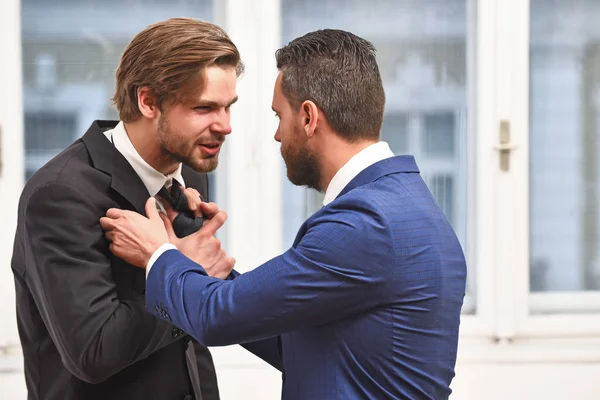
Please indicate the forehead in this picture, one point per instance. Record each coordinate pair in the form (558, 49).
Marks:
(217, 86)
(278, 96)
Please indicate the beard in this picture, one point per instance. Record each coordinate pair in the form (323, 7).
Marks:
(177, 146)
(302, 166)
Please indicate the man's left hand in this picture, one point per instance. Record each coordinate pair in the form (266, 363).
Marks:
(133, 237)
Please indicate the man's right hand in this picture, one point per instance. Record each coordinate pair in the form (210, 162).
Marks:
(202, 247)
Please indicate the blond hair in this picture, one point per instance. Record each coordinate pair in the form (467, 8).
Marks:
(169, 58)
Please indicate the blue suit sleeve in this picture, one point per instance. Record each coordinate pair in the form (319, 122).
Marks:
(340, 267)
(267, 350)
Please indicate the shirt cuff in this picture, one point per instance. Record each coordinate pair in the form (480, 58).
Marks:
(158, 253)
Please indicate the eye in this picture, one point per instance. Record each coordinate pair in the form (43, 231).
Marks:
(202, 108)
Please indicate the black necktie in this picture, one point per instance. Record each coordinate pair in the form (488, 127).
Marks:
(186, 222)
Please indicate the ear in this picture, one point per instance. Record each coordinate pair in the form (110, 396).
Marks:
(147, 103)
(310, 117)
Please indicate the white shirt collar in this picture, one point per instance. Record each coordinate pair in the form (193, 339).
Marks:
(152, 179)
(359, 162)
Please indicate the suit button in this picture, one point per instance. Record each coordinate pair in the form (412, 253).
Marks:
(176, 333)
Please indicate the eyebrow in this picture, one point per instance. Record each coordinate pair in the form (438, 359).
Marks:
(210, 103)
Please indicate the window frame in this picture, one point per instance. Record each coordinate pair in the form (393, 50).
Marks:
(12, 162)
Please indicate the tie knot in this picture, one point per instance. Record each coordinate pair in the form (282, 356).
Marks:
(174, 195)
(186, 222)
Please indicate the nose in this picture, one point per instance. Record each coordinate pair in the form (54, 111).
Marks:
(277, 136)
(222, 123)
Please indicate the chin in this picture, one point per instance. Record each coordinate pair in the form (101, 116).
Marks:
(295, 180)
(204, 165)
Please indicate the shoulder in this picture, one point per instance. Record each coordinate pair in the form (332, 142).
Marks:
(354, 216)
(67, 179)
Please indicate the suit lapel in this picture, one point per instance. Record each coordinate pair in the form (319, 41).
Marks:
(129, 185)
(108, 159)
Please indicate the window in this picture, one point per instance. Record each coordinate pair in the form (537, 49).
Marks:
(46, 134)
(71, 50)
(395, 131)
(439, 135)
(564, 137)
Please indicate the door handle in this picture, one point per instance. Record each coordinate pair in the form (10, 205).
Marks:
(504, 147)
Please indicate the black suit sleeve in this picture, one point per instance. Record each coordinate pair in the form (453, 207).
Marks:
(69, 275)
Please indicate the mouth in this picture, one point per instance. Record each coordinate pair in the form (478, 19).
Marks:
(210, 148)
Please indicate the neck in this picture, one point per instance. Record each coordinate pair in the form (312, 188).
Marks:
(333, 161)
(146, 143)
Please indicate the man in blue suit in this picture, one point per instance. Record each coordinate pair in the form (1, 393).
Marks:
(366, 303)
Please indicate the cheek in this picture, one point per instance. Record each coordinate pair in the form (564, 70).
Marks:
(201, 124)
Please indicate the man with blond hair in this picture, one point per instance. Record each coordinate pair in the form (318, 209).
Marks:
(84, 329)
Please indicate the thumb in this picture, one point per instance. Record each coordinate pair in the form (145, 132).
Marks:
(151, 211)
(169, 227)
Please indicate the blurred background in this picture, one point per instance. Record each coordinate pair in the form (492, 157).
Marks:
(498, 100)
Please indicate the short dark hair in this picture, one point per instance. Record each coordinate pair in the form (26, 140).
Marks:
(338, 71)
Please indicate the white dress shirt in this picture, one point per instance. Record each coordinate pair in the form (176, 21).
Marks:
(359, 162)
(151, 178)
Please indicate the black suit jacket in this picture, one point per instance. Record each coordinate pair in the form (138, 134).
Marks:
(81, 311)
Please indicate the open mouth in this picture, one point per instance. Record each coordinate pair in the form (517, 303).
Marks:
(210, 149)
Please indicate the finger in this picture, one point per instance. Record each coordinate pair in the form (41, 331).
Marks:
(224, 267)
(231, 262)
(115, 213)
(107, 223)
(209, 209)
(169, 227)
(171, 213)
(212, 225)
(193, 198)
(151, 211)
(109, 235)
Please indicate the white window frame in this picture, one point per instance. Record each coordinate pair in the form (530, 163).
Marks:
(12, 169)
(481, 29)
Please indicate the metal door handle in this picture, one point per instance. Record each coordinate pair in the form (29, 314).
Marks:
(505, 146)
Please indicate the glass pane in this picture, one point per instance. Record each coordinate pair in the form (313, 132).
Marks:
(442, 188)
(422, 54)
(564, 144)
(438, 134)
(395, 132)
(71, 49)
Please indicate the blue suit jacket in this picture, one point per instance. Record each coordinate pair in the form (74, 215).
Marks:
(365, 305)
